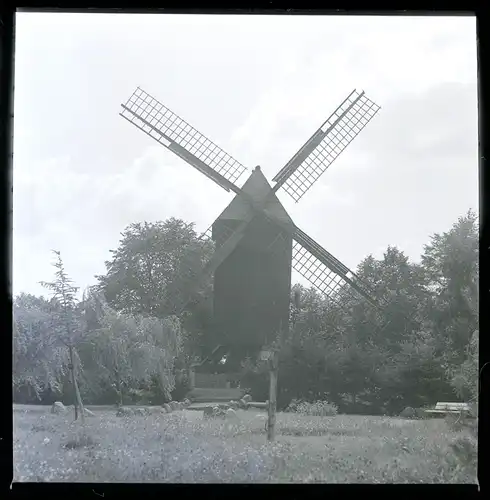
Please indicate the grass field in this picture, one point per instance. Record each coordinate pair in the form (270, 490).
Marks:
(183, 447)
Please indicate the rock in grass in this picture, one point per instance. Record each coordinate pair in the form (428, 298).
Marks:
(219, 412)
(408, 412)
(142, 412)
(123, 411)
(58, 408)
(231, 414)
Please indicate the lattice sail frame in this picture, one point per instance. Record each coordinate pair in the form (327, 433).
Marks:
(317, 273)
(328, 142)
(328, 274)
(167, 128)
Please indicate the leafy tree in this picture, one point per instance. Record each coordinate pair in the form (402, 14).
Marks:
(451, 265)
(149, 270)
(465, 378)
(39, 362)
(127, 350)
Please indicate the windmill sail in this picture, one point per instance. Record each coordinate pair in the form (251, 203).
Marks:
(326, 273)
(167, 128)
(325, 145)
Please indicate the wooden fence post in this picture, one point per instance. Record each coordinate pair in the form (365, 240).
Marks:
(271, 422)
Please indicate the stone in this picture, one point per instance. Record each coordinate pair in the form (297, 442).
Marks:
(142, 411)
(123, 411)
(230, 414)
(408, 412)
(58, 408)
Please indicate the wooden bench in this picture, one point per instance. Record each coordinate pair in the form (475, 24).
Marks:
(450, 409)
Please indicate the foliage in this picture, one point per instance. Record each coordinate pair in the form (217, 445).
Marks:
(65, 324)
(465, 378)
(128, 351)
(150, 269)
(39, 360)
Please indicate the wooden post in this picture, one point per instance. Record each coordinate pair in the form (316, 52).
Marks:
(271, 423)
(192, 379)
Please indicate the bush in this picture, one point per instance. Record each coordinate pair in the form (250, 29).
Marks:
(316, 408)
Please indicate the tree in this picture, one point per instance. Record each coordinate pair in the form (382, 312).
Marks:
(125, 349)
(149, 269)
(39, 362)
(66, 326)
(465, 378)
(450, 262)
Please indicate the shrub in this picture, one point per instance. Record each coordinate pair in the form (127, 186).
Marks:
(316, 408)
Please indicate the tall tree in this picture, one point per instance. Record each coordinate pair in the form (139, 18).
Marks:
(39, 362)
(66, 326)
(451, 265)
(151, 266)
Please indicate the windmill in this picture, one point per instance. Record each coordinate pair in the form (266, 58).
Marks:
(256, 242)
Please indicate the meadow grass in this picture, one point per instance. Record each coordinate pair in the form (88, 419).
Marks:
(183, 447)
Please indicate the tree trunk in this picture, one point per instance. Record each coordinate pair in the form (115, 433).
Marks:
(77, 391)
(73, 381)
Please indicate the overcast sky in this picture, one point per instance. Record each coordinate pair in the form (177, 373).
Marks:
(258, 86)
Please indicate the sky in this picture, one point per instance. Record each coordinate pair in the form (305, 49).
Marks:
(258, 86)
